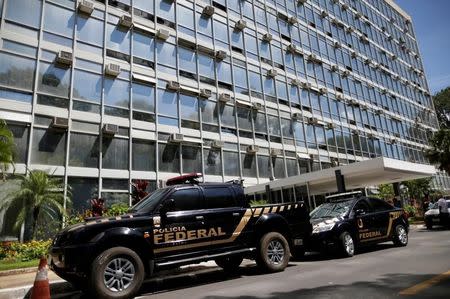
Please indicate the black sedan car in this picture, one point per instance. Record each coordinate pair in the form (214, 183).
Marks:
(345, 223)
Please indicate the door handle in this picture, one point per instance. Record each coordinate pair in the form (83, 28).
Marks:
(236, 214)
(199, 217)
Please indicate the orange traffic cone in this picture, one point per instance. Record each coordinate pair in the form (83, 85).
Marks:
(41, 287)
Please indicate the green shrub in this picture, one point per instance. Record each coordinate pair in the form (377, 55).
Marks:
(117, 209)
(411, 210)
(259, 202)
(24, 251)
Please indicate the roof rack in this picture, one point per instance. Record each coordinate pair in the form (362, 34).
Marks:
(190, 178)
(344, 195)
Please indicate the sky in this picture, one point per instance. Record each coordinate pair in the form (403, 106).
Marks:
(431, 22)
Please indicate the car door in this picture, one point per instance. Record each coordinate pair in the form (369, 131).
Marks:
(182, 228)
(382, 221)
(223, 216)
(363, 219)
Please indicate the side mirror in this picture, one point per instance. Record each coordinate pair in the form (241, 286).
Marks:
(360, 212)
(167, 206)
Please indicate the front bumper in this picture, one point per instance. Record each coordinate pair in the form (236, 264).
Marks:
(323, 242)
(71, 261)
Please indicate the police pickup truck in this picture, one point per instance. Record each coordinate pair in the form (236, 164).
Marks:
(187, 222)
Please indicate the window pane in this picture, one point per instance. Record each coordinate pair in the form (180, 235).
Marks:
(83, 190)
(90, 30)
(59, 20)
(24, 12)
(117, 93)
(48, 147)
(192, 161)
(87, 86)
(264, 167)
(54, 80)
(209, 111)
(115, 153)
(169, 157)
(20, 134)
(16, 71)
(248, 165)
(143, 155)
(143, 46)
(212, 161)
(84, 150)
(143, 97)
(187, 199)
(189, 107)
(167, 103)
(219, 197)
(231, 163)
(117, 39)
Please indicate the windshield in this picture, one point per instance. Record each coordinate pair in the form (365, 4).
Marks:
(150, 202)
(331, 210)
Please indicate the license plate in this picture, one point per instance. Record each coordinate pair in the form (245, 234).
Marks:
(298, 242)
(436, 220)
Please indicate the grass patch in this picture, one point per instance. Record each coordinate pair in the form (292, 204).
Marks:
(8, 265)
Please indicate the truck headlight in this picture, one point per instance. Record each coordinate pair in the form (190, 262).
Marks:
(323, 228)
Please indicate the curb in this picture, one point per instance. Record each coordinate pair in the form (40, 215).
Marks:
(18, 271)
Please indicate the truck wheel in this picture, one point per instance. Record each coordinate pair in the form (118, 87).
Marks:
(230, 263)
(347, 244)
(273, 252)
(400, 236)
(116, 273)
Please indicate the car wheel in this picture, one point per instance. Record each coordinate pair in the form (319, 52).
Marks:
(273, 252)
(400, 236)
(116, 273)
(347, 244)
(230, 263)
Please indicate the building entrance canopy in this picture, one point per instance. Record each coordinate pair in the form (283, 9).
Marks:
(356, 175)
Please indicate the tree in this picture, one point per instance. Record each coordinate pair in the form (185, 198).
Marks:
(441, 102)
(40, 195)
(7, 148)
(439, 153)
(385, 191)
(418, 188)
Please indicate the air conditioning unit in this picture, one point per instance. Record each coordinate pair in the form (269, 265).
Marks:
(394, 57)
(356, 132)
(217, 144)
(390, 37)
(313, 58)
(125, 21)
(267, 37)
(86, 7)
(176, 138)
(240, 25)
(301, 2)
(224, 97)
(292, 48)
(324, 14)
(393, 141)
(353, 102)
(296, 82)
(396, 77)
(345, 73)
(60, 123)
(358, 15)
(370, 135)
(252, 149)
(257, 106)
(64, 58)
(173, 85)
(297, 116)
(292, 20)
(345, 6)
(337, 45)
(384, 91)
(334, 68)
(272, 73)
(379, 111)
(205, 93)
(364, 39)
(313, 120)
(323, 90)
(110, 129)
(353, 54)
(339, 97)
(367, 61)
(306, 85)
(331, 126)
(162, 33)
(208, 10)
(221, 55)
(275, 152)
(112, 69)
(350, 29)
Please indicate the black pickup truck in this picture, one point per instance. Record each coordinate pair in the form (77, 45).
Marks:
(181, 224)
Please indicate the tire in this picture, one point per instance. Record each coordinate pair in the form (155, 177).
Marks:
(273, 252)
(230, 263)
(429, 225)
(298, 253)
(108, 283)
(346, 244)
(400, 236)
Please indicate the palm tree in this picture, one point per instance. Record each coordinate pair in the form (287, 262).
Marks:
(7, 148)
(40, 195)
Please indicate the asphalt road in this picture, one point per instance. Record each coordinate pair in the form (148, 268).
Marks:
(420, 270)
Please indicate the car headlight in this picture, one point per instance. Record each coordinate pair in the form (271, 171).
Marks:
(323, 228)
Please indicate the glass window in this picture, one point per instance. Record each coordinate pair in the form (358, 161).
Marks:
(83, 190)
(16, 71)
(143, 46)
(264, 169)
(224, 72)
(115, 153)
(84, 150)
(58, 20)
(143, 97)
(167, 54)
(189, 107)
(48, 147)
(143, 155)
(206, 66)
(117, 93)
(87, 86)
(260, 123)
(244, 118)
(54, 80)
(167, 103)
(274, 125)
(188, 60)
(227, 115)
(231, 163)
(212, 161)
(144, 5)
(278, 167)
(291, 166)
(187, 199)
(248, 165)
(219, 197)
(209, 111)
(166, 10)
(24, 12)
(192, 161)
(169, 157)
(117, 39)
(185, 16)
(21, 141)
